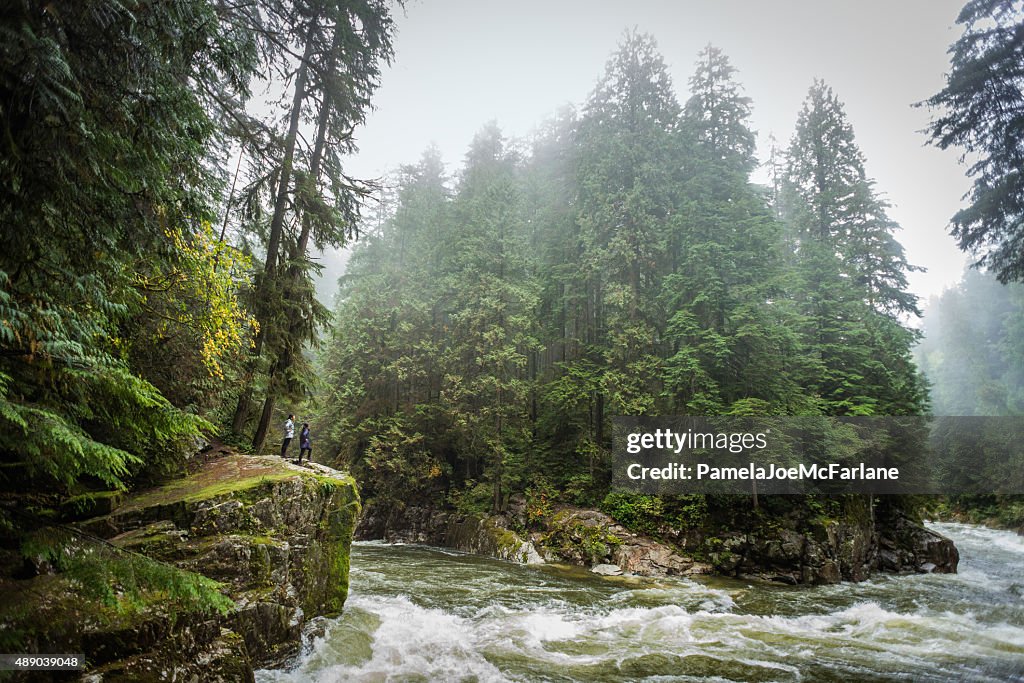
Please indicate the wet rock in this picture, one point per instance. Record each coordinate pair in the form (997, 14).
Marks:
(606, 569)
(405, 524)
(590, 537)
(646, 557)
(915, 548)
(848, 546)
(90, 505)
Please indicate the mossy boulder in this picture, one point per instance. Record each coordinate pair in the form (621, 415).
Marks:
(90, 505)
(592, 538)
(275, 535)
(487, 535)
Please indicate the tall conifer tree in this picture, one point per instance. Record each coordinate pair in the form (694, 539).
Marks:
(852, 269)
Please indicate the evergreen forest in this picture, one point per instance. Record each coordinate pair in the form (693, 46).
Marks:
(622, 262)
(173, 171)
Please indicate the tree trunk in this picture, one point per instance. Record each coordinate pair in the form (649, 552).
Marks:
(241, 415)
(284, 360)
(261, 431)
(265, 282)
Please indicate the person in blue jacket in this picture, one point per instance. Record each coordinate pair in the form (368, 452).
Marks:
(305, 445)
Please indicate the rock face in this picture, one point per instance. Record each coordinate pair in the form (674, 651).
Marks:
(827, 551)
(831, 550)
(592, 538)
(276, 535)
(410, 524)
(820, 551)
(490, 536)
(574, 536)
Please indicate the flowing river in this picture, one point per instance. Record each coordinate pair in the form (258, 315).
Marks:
(423, 614)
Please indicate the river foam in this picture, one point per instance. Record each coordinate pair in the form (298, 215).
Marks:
(417, 614)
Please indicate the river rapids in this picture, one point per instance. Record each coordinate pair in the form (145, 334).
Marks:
(425, 614)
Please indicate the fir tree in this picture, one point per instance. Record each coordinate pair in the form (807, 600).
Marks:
(626, 167)
(106, 175)
(982, 111)
(852, 270)
(339, 47)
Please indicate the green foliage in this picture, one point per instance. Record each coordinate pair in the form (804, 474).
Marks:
(397, 464)
(190, 329)
(576, 540)
(1005, 512)
(106, 130)
(654, 515)
(300, 184)
(583, 490)
(472, 499)
(539, 501)
(94, 423)
(635, 512)
(850, 272)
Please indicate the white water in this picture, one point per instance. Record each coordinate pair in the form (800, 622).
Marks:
(420, 614)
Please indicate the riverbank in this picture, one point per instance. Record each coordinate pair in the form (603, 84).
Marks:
(995, 512)
(854, 542)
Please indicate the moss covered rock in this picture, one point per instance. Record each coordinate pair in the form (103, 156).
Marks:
(486, 535)
(275, 535)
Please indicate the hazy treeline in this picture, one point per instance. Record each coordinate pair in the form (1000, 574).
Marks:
(623, 262)
(973, 348)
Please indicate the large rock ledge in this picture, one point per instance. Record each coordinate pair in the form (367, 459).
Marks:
(828, 550)
(276, 535)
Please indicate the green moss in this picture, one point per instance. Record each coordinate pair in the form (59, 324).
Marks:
(507, 542)
(336, 548)
(260, 565)
(125, 593)
(263, 540)
(241, 477)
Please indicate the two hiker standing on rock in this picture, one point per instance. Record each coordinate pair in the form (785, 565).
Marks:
(305, 443)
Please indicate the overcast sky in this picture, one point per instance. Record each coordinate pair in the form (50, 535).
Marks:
(461, 63)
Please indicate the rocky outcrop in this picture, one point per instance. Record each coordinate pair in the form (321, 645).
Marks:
(406, 524)
(821, 550)
(274, 534)
(490, 536)
(829, 550)
(592, 538)
(478, 534)
(904, 544)
(573, 536)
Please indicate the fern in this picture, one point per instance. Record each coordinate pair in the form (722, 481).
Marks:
(125, 582)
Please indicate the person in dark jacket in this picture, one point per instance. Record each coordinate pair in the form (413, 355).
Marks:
(305, 445)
